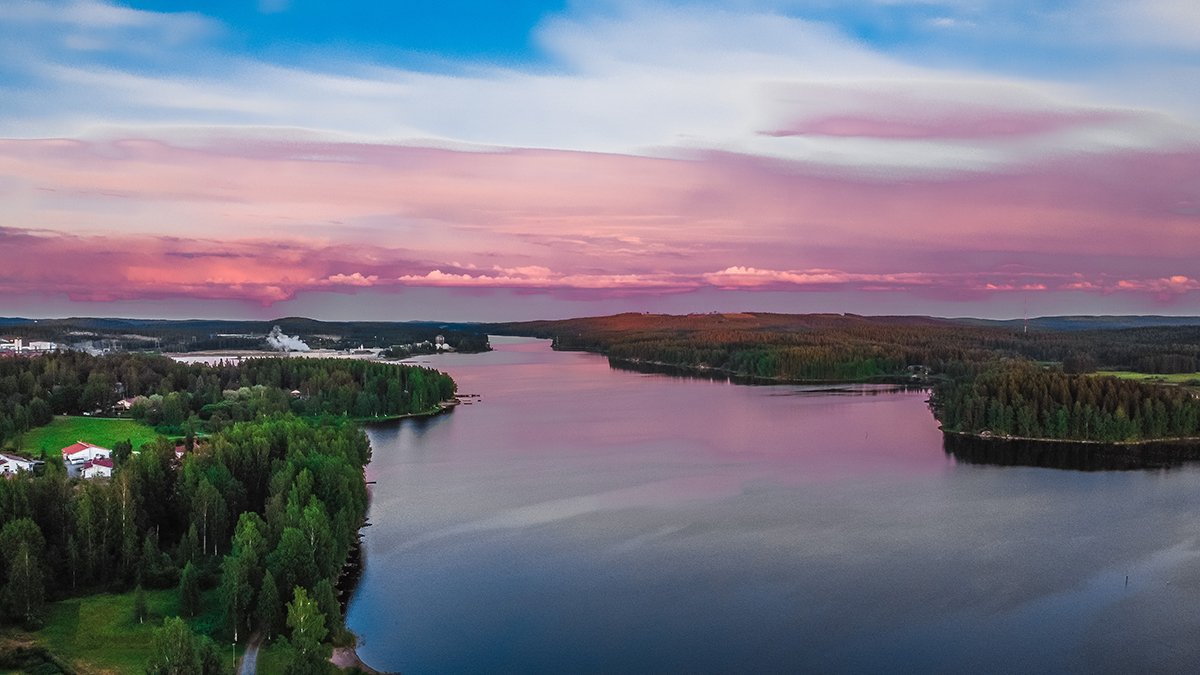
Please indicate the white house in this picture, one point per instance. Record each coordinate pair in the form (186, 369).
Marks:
(98, 468)
(84, 452)
(11, 464)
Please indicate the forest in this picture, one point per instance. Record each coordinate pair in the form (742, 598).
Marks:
(261, 512)
(846, 348)
(180, 399)
(1019, 398)
(265, 511)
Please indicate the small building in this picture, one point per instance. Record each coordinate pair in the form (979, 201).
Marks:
(11, 464)
(98, 468)
(81, 452)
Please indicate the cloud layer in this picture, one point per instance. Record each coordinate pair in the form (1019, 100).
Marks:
(263, 221)
(663, 150)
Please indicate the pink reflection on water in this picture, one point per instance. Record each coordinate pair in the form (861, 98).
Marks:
(555, 411)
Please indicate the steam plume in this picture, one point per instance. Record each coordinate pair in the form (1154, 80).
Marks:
(285, 343)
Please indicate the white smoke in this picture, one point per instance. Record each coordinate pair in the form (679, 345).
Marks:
(285, 343)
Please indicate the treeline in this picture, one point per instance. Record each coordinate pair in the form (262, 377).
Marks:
(173, 395)
(197, 335)
(849, 347)
(266, 512)
(1020, 398)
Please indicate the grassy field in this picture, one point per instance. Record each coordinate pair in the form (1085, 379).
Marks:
(98, 635)
(1174, 378)
(64, 431)
(272, 659)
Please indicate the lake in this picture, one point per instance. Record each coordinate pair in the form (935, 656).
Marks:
(581, 519)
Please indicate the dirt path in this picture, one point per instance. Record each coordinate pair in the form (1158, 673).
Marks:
(250, 658)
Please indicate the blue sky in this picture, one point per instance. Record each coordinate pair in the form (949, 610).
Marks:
(1020, 37)
(400, 33)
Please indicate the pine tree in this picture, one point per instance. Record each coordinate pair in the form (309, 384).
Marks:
(267, 611)
(189, 591)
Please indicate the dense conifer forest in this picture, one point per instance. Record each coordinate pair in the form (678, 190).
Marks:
(262, 509)
(179, 398)
(836, 347)
(1024, 399)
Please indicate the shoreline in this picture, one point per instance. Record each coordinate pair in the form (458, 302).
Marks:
(347, 657)
(442, 407)
(1067, 454)
(988, 436)
(709, 372)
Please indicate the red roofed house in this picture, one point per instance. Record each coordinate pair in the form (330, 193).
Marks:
(98, 468)
(84, 452)
(11, 464)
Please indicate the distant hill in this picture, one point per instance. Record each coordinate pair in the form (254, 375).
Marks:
(849, 347)
(793, 322)
(632, 322)
(1085, 322)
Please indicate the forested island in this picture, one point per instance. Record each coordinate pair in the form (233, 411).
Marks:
(241, 529)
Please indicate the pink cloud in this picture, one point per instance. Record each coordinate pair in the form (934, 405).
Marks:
(543, 278)
(932, 110)
(264, 221)
(749, 277)
(1164, 289)
(952, 124)
(984, 281)
(356, 279)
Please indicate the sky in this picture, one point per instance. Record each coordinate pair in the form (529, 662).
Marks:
(460, 160)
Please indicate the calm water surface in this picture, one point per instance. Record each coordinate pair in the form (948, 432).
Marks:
(578, 519)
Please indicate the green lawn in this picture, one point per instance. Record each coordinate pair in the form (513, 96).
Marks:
(98, 634)
(1174, 378)
(64, 431)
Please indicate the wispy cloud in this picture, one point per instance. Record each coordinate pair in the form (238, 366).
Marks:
(653, 81)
